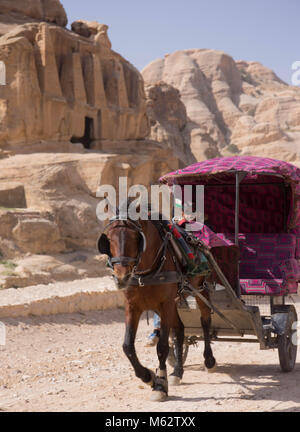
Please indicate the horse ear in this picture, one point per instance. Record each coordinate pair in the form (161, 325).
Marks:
(142, 243)
(103, 245)
(113, 211)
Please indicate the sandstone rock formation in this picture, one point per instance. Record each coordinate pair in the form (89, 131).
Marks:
(60, 198)
(77, 88)
(233, 107)
(72, 117)
(168, 120)
(21, 11)
(93, 30)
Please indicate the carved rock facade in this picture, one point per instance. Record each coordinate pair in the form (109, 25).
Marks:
(72, 117)
(62, 86)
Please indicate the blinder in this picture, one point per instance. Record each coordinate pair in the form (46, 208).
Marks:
(103, 245)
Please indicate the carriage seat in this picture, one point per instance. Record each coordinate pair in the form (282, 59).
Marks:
(268, 263)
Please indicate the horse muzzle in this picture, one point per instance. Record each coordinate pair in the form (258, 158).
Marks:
(123, 282)
(123, 268)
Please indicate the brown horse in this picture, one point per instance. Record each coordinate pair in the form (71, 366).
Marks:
(145, 267)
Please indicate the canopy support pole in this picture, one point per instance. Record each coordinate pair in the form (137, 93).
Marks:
(239, 175)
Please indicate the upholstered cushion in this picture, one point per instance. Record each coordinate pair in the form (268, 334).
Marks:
(261, 286)
(290, 269)
(262, 254)
(267, 263)
(298, 246)
(268, 286)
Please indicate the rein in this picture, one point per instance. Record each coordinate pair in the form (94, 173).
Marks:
(161, 253)
(154, 274)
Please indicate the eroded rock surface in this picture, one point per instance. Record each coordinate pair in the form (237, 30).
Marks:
(60, 216)
(77, 88)
(233, 107)
(72, 117)
(168, 120)
(14, 12)
(74, 114)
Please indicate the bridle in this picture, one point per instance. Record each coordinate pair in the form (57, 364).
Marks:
(104, 246)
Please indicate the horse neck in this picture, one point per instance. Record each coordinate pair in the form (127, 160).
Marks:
(154, 242)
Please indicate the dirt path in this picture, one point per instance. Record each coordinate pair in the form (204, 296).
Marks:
(74, 362)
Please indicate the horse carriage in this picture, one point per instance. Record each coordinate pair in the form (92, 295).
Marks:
(253, 205)
(245, 266)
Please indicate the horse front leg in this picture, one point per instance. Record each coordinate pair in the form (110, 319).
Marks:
(132, 320)
(160, 388)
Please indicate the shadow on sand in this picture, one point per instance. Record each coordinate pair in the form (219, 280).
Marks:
(257, 382)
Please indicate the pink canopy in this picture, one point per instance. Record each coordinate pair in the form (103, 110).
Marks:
(265, 176)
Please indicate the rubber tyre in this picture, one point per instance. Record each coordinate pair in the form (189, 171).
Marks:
(172, 354)
(287, 350)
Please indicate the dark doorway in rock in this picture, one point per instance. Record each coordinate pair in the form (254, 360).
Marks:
(88, 136)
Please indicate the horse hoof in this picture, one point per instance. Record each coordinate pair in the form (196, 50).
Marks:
(174, 380)
(153, 377)
(158, 396)
(212, 369)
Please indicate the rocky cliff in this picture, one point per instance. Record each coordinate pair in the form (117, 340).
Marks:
(74, 114)
(77, 88)
(168, 120)
(72, 117)
(17, 12)
(233, 107)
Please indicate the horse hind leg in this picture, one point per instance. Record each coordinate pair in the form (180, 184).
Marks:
(209, 360)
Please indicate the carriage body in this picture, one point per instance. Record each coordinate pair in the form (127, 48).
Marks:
(253, 206)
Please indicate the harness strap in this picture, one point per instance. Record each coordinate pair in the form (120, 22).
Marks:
(160, 253)
(161, 278)
(172, 228)
(123, 260)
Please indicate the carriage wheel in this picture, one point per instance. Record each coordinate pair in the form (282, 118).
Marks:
(172, 352)
(287, 343)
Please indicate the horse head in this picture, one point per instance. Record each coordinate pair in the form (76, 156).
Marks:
(123, 241)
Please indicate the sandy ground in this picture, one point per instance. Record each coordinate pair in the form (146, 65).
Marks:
(74, 362)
